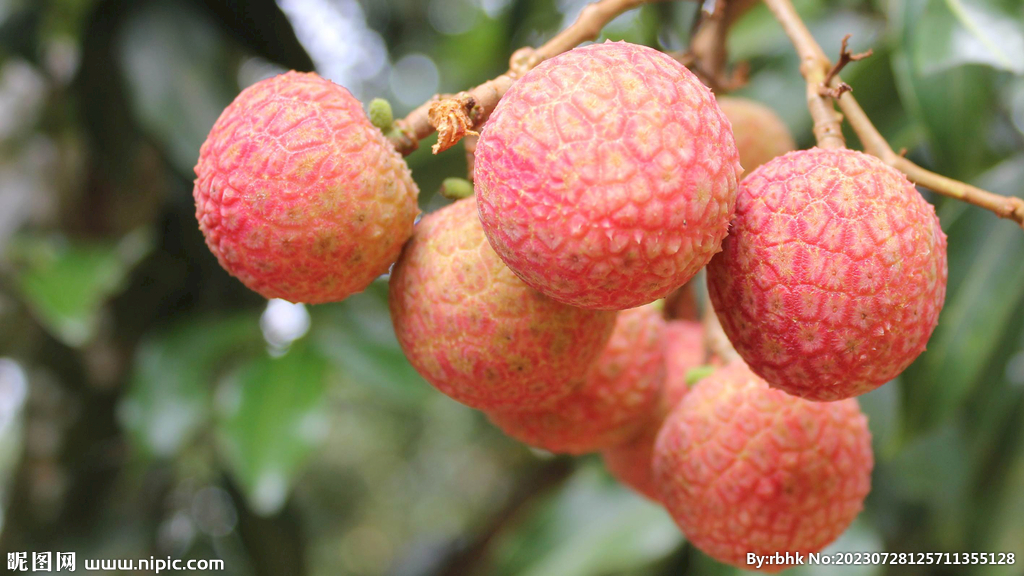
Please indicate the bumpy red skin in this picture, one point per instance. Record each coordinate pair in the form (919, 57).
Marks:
(618, 397)
(607, 176)
(631, 463)
(833, 276)
(298, 195)
(743, 468)
(474, 330)
(760, 134)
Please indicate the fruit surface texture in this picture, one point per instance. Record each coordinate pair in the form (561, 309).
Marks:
(298, 195)
(607, 176)
(632, 462)
(833, 276)
(760, 134)
(618, 396)
(474, 330)
(743, 467)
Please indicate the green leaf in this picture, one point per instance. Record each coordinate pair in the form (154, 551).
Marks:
(357, 336)
(973, 322)
(66, 282)
(1007, 529)
(859, 537)
(955, 32)
(171, 390)
(882, 407)
(700, 564)
(956, 106)
(272, 418)
(589, 527)
(933, 474)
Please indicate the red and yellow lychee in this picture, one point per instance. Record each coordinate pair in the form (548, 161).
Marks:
(760, 134)
(833, 275)
(632, 462)
(742, 468)
(615, 399)
(475, 331)
(298, 195)
(607, 176)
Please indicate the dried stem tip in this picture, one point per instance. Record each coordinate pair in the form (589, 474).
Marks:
(845, 57)
(451, 117)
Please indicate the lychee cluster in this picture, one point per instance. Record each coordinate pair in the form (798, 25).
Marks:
(606, 178)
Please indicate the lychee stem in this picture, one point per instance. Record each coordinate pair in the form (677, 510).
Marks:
(479, 102)
(707, 55)
(815, 69)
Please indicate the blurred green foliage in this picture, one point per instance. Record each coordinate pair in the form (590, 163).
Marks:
(169, 411)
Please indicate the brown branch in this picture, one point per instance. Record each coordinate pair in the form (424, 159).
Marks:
(834, 92)
(845, 57)
(1009, 207)
(468, 110)
(814, 66)
(708, 46)
(827, 127)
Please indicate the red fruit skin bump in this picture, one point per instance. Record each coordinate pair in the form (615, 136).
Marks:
(742, 467)
(607, 176)
(474, 330)
(833, 276)
(760, 134)
(298, 195)
(632, 462)
(616, 399)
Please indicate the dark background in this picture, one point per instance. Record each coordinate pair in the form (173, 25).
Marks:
(151, 405)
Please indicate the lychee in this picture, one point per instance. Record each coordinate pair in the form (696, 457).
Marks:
(832, 278)
(607, 176)
(632, 462)
(617, 397)
(760, 134)
(298, 195)
(474, 330)
(742, 468)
